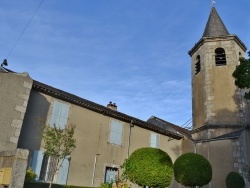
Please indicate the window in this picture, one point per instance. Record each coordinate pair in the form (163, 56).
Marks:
(198, 64)
(110, 174)
(59, 115)
(43, 166)
(220, 57)
(116, 132)
(47, 169)
(154, 140)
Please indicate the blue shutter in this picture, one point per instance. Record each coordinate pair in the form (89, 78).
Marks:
(59, 115)
(119, 133)
(116, 132)
(37, 162)
(157, 140)
(63, 172)
(55, 114)
(64, 112)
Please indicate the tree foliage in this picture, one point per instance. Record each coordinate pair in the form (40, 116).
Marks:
(192, 170)
(235, 180)
(58, 143)
(30, 175)
(242, 75)
(149, 167)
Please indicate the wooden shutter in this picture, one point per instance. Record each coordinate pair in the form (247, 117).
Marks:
(59, 115)
(37, 162)
(63, 172)
(116, 132)
(154, 140)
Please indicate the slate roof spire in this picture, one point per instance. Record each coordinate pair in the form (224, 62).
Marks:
(215, 26)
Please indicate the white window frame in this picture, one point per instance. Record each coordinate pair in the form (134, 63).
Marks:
(116, 132)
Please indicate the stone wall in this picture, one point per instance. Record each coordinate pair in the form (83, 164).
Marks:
(14, 94)
(17, 160)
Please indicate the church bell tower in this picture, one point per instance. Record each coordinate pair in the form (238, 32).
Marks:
(215, 98)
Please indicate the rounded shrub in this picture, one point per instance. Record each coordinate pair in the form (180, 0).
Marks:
(235, 180)
(192, 170)
(30, 175)
(149, 167)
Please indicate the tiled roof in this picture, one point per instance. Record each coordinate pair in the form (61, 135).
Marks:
(73, 99)
(215, 26)
(168, 126)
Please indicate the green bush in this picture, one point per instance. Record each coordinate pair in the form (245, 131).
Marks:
(106, 185)
(192, 170)
(149, 167)
(30, 175)
(235, 180)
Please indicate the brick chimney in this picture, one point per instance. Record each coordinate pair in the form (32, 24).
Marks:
(112, 106)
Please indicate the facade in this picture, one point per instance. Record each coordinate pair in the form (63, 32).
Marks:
(105, 137)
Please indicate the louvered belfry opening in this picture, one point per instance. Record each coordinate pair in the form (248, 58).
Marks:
(220, 57)
(198, 64)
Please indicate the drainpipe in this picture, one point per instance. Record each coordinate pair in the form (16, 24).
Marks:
(129, 136)
(93, 177)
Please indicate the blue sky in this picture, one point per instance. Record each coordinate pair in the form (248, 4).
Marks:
(131, 52)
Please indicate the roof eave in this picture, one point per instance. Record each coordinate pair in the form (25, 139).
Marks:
(208, 39)
(73, 99)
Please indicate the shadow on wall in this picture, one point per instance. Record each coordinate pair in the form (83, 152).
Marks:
(176, 150)
(30, 136)
(230, 115)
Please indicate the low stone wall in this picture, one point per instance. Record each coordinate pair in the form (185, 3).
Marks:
(17, 160)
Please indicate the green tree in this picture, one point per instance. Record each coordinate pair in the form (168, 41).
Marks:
(191, 169)
(242, 75)
(235, 180)
(149, 167)
(58, 144)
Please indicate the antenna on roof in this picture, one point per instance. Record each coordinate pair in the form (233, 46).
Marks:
(213, 2)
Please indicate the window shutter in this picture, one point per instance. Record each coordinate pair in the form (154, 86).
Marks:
(157, 141)
(116, 132)
(63, 172)
(37, 162)
(59, 115)
(154, 140)
(63, 116)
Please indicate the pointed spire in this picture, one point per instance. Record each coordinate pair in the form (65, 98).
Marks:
(215, 26)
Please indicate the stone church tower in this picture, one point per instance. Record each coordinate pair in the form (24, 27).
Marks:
(220, 130)
(214, 58)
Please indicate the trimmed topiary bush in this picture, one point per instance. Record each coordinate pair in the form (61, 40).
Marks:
(235, 180)
(192, 170)
(149, 167)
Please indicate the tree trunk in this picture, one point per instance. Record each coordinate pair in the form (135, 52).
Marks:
(55, 171)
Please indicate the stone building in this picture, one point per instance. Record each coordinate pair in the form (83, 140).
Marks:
(220, 112)
(105, 137)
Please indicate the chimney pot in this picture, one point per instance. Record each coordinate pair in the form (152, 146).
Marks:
(112, 106)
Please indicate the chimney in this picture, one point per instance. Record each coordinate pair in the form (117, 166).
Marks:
(112, 106)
